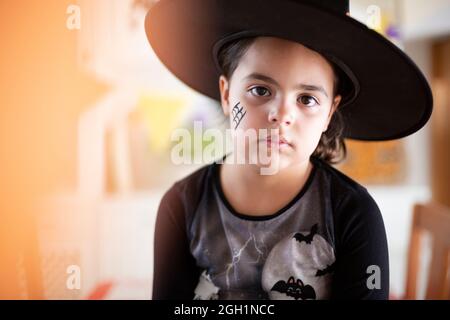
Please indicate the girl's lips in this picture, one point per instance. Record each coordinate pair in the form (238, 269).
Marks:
(280, 142)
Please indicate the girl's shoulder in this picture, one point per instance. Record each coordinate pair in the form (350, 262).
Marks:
(349, 198)
(194, 181)
(188, 190)
(336, 178)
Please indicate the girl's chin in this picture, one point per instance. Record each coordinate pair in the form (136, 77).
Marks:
(278, 162)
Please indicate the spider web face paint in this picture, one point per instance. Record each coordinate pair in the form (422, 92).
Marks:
(238, 114)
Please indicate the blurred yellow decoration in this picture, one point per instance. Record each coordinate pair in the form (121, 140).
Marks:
(387, 24)
(161, 115)
(384, 23)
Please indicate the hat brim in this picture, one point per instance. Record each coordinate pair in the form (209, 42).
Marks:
(394, 99)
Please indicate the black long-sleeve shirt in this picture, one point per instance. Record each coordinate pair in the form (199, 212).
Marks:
(329, 242)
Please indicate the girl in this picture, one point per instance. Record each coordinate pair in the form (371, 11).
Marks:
(316, 76)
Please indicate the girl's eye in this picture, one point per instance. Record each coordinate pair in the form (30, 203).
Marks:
(308, 101)
(260, 92)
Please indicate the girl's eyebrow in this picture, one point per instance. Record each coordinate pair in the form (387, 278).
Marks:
(308, 87)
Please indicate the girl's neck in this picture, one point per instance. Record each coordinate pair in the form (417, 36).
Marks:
(251, 193)
(249, 175)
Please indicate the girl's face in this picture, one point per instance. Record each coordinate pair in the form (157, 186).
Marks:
(280, 84)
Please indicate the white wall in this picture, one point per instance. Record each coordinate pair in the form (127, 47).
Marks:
(425, 19)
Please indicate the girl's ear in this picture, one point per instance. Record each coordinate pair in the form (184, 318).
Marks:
(334, 106)
(224, 86)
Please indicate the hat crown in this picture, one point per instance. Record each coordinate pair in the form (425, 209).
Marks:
(338, 6)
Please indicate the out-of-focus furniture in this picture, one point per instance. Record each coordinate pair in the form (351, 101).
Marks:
(433, 218)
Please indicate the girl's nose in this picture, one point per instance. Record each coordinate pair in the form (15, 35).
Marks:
(283, 115)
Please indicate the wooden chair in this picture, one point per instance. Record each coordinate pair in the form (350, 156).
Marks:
(435, 219)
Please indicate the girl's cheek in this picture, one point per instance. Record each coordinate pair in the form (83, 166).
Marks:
(255, 117)
(250, 112)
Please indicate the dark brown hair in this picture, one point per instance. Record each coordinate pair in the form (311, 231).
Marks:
(331, 147)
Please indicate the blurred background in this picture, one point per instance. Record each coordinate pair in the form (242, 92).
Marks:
(86, 117)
